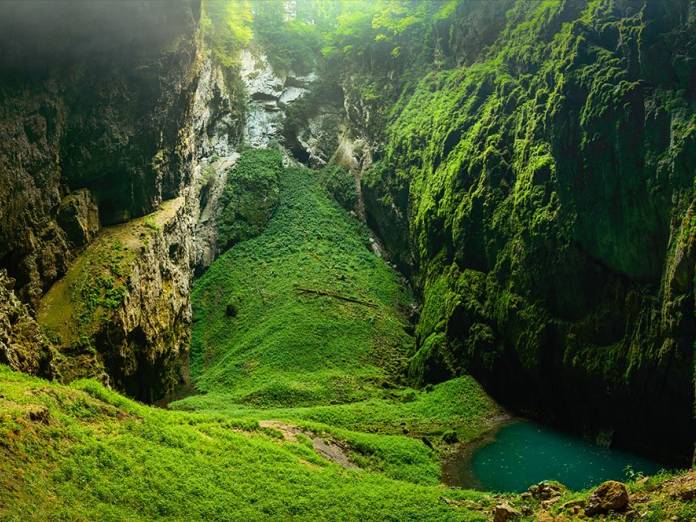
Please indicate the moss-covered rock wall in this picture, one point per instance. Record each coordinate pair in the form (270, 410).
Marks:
(109, 112)
(542, 196)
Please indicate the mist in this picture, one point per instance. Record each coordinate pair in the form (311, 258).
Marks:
(37, 34)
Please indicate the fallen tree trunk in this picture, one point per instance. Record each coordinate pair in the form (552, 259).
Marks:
(335, 296)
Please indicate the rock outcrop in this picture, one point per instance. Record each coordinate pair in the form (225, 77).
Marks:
(122, 311)
(23, 345)
(609, 496)
(111, 166)
(541, 197)
(71, 126)
(270, 94)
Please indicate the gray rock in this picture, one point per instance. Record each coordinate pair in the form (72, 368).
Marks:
(78, 215)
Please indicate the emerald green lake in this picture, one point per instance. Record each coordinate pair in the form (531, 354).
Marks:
(525, 453)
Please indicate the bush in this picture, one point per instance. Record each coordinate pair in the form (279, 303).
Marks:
(340, 184)
(250, 197)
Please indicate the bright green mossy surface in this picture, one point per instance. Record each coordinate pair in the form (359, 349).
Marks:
(316, 316)
(250, 196)
(305, 324)
(538, 196)
(82, 452)
(383, 433)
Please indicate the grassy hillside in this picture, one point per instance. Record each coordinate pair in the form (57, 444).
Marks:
(306, 324)
(302, 314)
(298, 344)
(82, 452)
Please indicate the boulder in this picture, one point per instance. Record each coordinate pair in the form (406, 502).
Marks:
(504, 512)
(546, 490)
(609, 496)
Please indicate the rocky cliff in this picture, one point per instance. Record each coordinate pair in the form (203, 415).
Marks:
(115, 147)
(543, 200)
(534, 174)
(92, 100)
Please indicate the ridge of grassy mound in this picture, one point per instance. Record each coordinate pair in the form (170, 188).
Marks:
(83, 452)
(304, 324)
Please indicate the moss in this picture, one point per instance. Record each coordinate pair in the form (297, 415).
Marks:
(78, 306)
(250, 196)
(340, 183)
(533, 195)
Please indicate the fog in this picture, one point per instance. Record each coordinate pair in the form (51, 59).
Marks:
(35, 34)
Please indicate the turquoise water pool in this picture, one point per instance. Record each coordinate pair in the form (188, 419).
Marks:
(524, 453)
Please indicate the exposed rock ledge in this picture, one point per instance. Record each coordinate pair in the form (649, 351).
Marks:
(122, 310)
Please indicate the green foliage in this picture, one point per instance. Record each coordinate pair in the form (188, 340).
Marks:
(86, 453)
(226, 26)
(317, 339)
(296, 337)
(250, 196)
(292, 44)
(341, 185)
(537, 192)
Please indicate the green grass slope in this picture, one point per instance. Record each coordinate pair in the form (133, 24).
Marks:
(300, 330)
(305, 324)
(302, 314)
(82, 452)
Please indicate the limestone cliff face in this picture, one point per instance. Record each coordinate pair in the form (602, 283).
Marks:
(111, 165)
(90, 120)
(534, 176)
(23, 345)
(216, 131)
(122, 310)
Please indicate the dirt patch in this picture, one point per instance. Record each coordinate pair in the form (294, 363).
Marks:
(682, 487)
(327, 448)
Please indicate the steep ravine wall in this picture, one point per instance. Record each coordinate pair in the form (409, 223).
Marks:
(99, 113)
(537, 186)
(543, 200)
(128, 118)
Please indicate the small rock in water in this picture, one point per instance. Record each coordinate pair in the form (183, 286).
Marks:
(609, 496)
(504, 512)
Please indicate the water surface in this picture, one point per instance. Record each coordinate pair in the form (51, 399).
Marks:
(523, 453)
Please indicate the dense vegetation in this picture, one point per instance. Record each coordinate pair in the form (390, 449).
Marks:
(545, 194)
(312, 356)
(305, 316)
(319, 348)
(84, 453)
(250, 196)
(527, 167)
